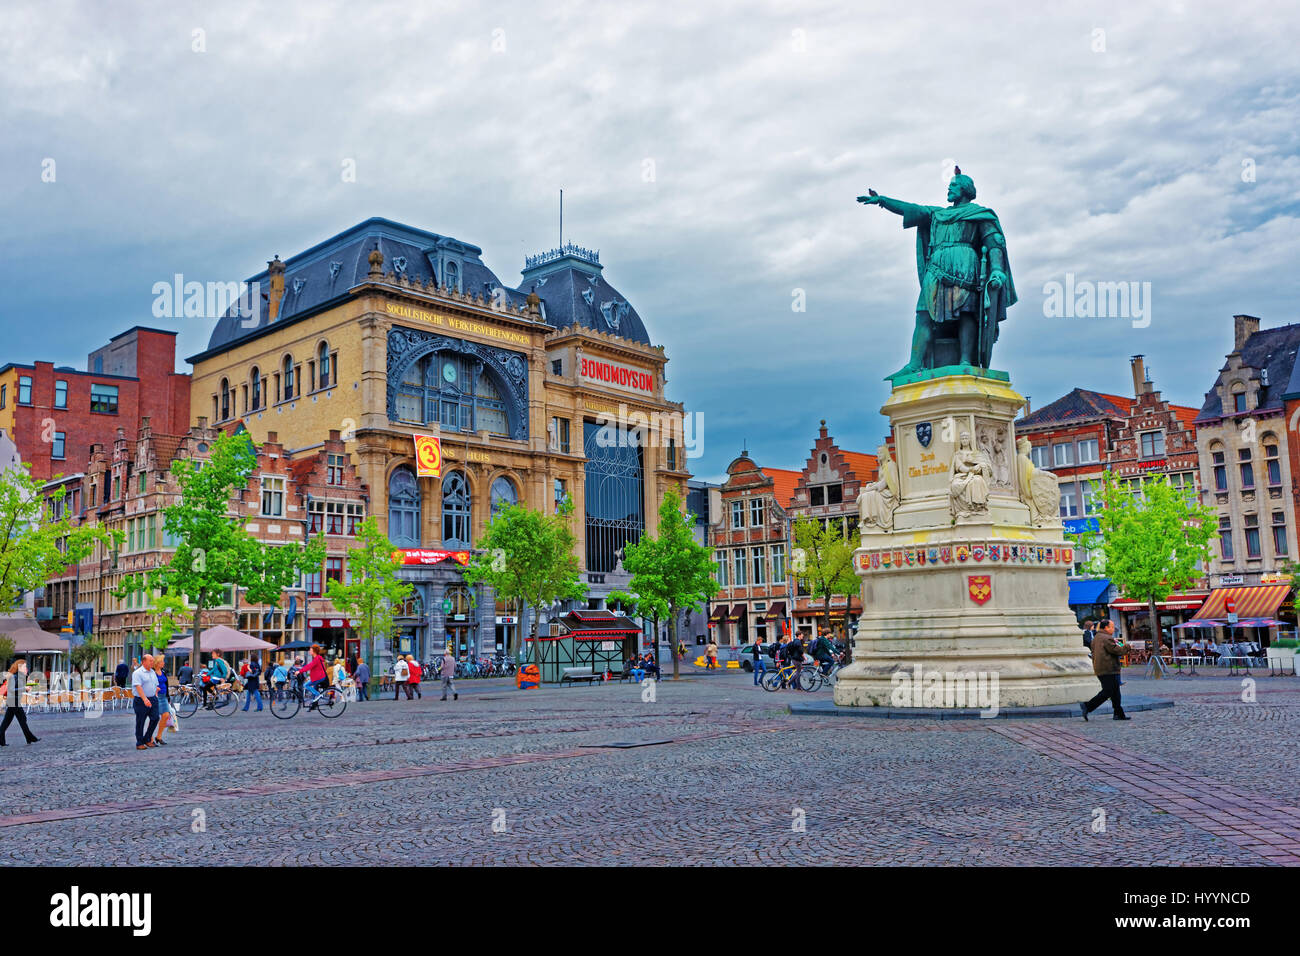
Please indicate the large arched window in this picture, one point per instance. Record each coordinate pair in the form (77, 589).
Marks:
(403, 508)
(255, 387)
(503, 493)
(453, 391)
(455, 511)
(323, 365)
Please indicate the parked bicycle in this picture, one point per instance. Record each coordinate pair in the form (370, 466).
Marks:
(330, 702)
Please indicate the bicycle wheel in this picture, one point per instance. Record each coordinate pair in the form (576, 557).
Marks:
(226, 702)
(286, 703)
(188, 702)
(810, 679)
(331, 703)
(772, 681)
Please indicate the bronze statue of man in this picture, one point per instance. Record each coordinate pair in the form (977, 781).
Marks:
(961, 260)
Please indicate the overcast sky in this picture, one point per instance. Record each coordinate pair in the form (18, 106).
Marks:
(711, 151)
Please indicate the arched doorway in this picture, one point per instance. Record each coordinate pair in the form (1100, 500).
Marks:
(458, 613)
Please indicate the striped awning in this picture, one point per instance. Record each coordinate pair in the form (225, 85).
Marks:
(1258, 601)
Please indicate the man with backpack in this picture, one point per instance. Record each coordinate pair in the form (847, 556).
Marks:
(1088, 632)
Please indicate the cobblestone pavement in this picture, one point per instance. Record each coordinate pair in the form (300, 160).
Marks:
(711, 772)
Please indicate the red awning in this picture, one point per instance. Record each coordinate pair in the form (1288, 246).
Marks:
(1251, 602)
(1175, 602)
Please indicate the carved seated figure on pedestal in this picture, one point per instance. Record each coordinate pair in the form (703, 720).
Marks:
(877, 501)
(1038, 487)
(968, 489)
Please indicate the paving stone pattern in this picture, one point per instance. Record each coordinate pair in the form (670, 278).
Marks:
(718, 773)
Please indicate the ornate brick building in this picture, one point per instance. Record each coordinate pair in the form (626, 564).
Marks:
(538, 394)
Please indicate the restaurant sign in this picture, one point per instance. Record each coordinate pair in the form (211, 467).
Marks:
(428, 556)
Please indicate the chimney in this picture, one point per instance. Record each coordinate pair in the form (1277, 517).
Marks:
(272, 437)
(1029, 408)
(276, 270)
(1141, 384)
(335, 434)
(203, 421)
(1243, 327)
(822, 432)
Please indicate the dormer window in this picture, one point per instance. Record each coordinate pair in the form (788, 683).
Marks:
(451, 277)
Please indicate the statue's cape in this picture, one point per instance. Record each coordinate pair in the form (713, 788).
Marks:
(966, 212)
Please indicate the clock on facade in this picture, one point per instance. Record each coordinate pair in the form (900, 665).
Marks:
(449, 371)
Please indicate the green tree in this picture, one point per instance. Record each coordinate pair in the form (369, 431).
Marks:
(671, 569)
(33, 550)
(1152, 539)
(167, 615)
(529, 557)
(375, 591)
(7, 650)
(822, 561)
(215, 550)
(85, 655)
(646, 607)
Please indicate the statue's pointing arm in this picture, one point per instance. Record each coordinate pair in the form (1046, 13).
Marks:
(912, 214)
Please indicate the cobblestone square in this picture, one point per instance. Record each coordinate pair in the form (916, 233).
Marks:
(713, 771)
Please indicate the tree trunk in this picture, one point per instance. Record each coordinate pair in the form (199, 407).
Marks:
(1155, 634)
(198, 629)
(655, 647)
(826, 614)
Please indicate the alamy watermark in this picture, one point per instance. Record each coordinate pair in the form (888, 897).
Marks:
(927, 688)
(179, 299)
(1085, 299)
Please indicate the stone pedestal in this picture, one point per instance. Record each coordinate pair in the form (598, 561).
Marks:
(961, 589)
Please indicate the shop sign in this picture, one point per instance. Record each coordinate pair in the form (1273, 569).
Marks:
(1227, 580)
(507, 619)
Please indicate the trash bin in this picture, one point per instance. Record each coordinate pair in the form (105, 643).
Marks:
(529, 676)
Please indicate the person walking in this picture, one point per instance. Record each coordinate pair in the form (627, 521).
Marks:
(1106, 651)
(279, 678)
(121, 674)
(416, 672)
(449, 674)
(163, 702)
(760, 665)
(361, 674)
(144, 690)
(711, 656)
(15, 683)
(401, 678)
(253, 683)
(1089, 632)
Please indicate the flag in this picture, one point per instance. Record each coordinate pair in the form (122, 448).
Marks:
(428, 456)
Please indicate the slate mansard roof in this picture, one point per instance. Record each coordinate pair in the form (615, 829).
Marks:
(1271, 350)
(568, 280)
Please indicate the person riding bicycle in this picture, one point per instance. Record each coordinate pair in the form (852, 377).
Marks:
(820, 650)
(794, 654)
(217, 671)
(315, 673)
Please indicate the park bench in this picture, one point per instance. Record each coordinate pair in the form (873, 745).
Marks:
(572, 675)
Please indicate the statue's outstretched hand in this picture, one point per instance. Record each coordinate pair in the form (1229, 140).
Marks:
(871, 199)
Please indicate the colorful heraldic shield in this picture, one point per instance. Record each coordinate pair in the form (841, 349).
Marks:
(980, 587)
(428, 456)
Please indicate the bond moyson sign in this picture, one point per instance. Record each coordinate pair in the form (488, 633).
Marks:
(428, 556)
(620, 376)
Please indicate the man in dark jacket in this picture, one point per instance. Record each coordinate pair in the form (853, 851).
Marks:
(1106, 651)
(760, 665)
(120, 674)
(253, 683)
(1088, 632)
(185, 675)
